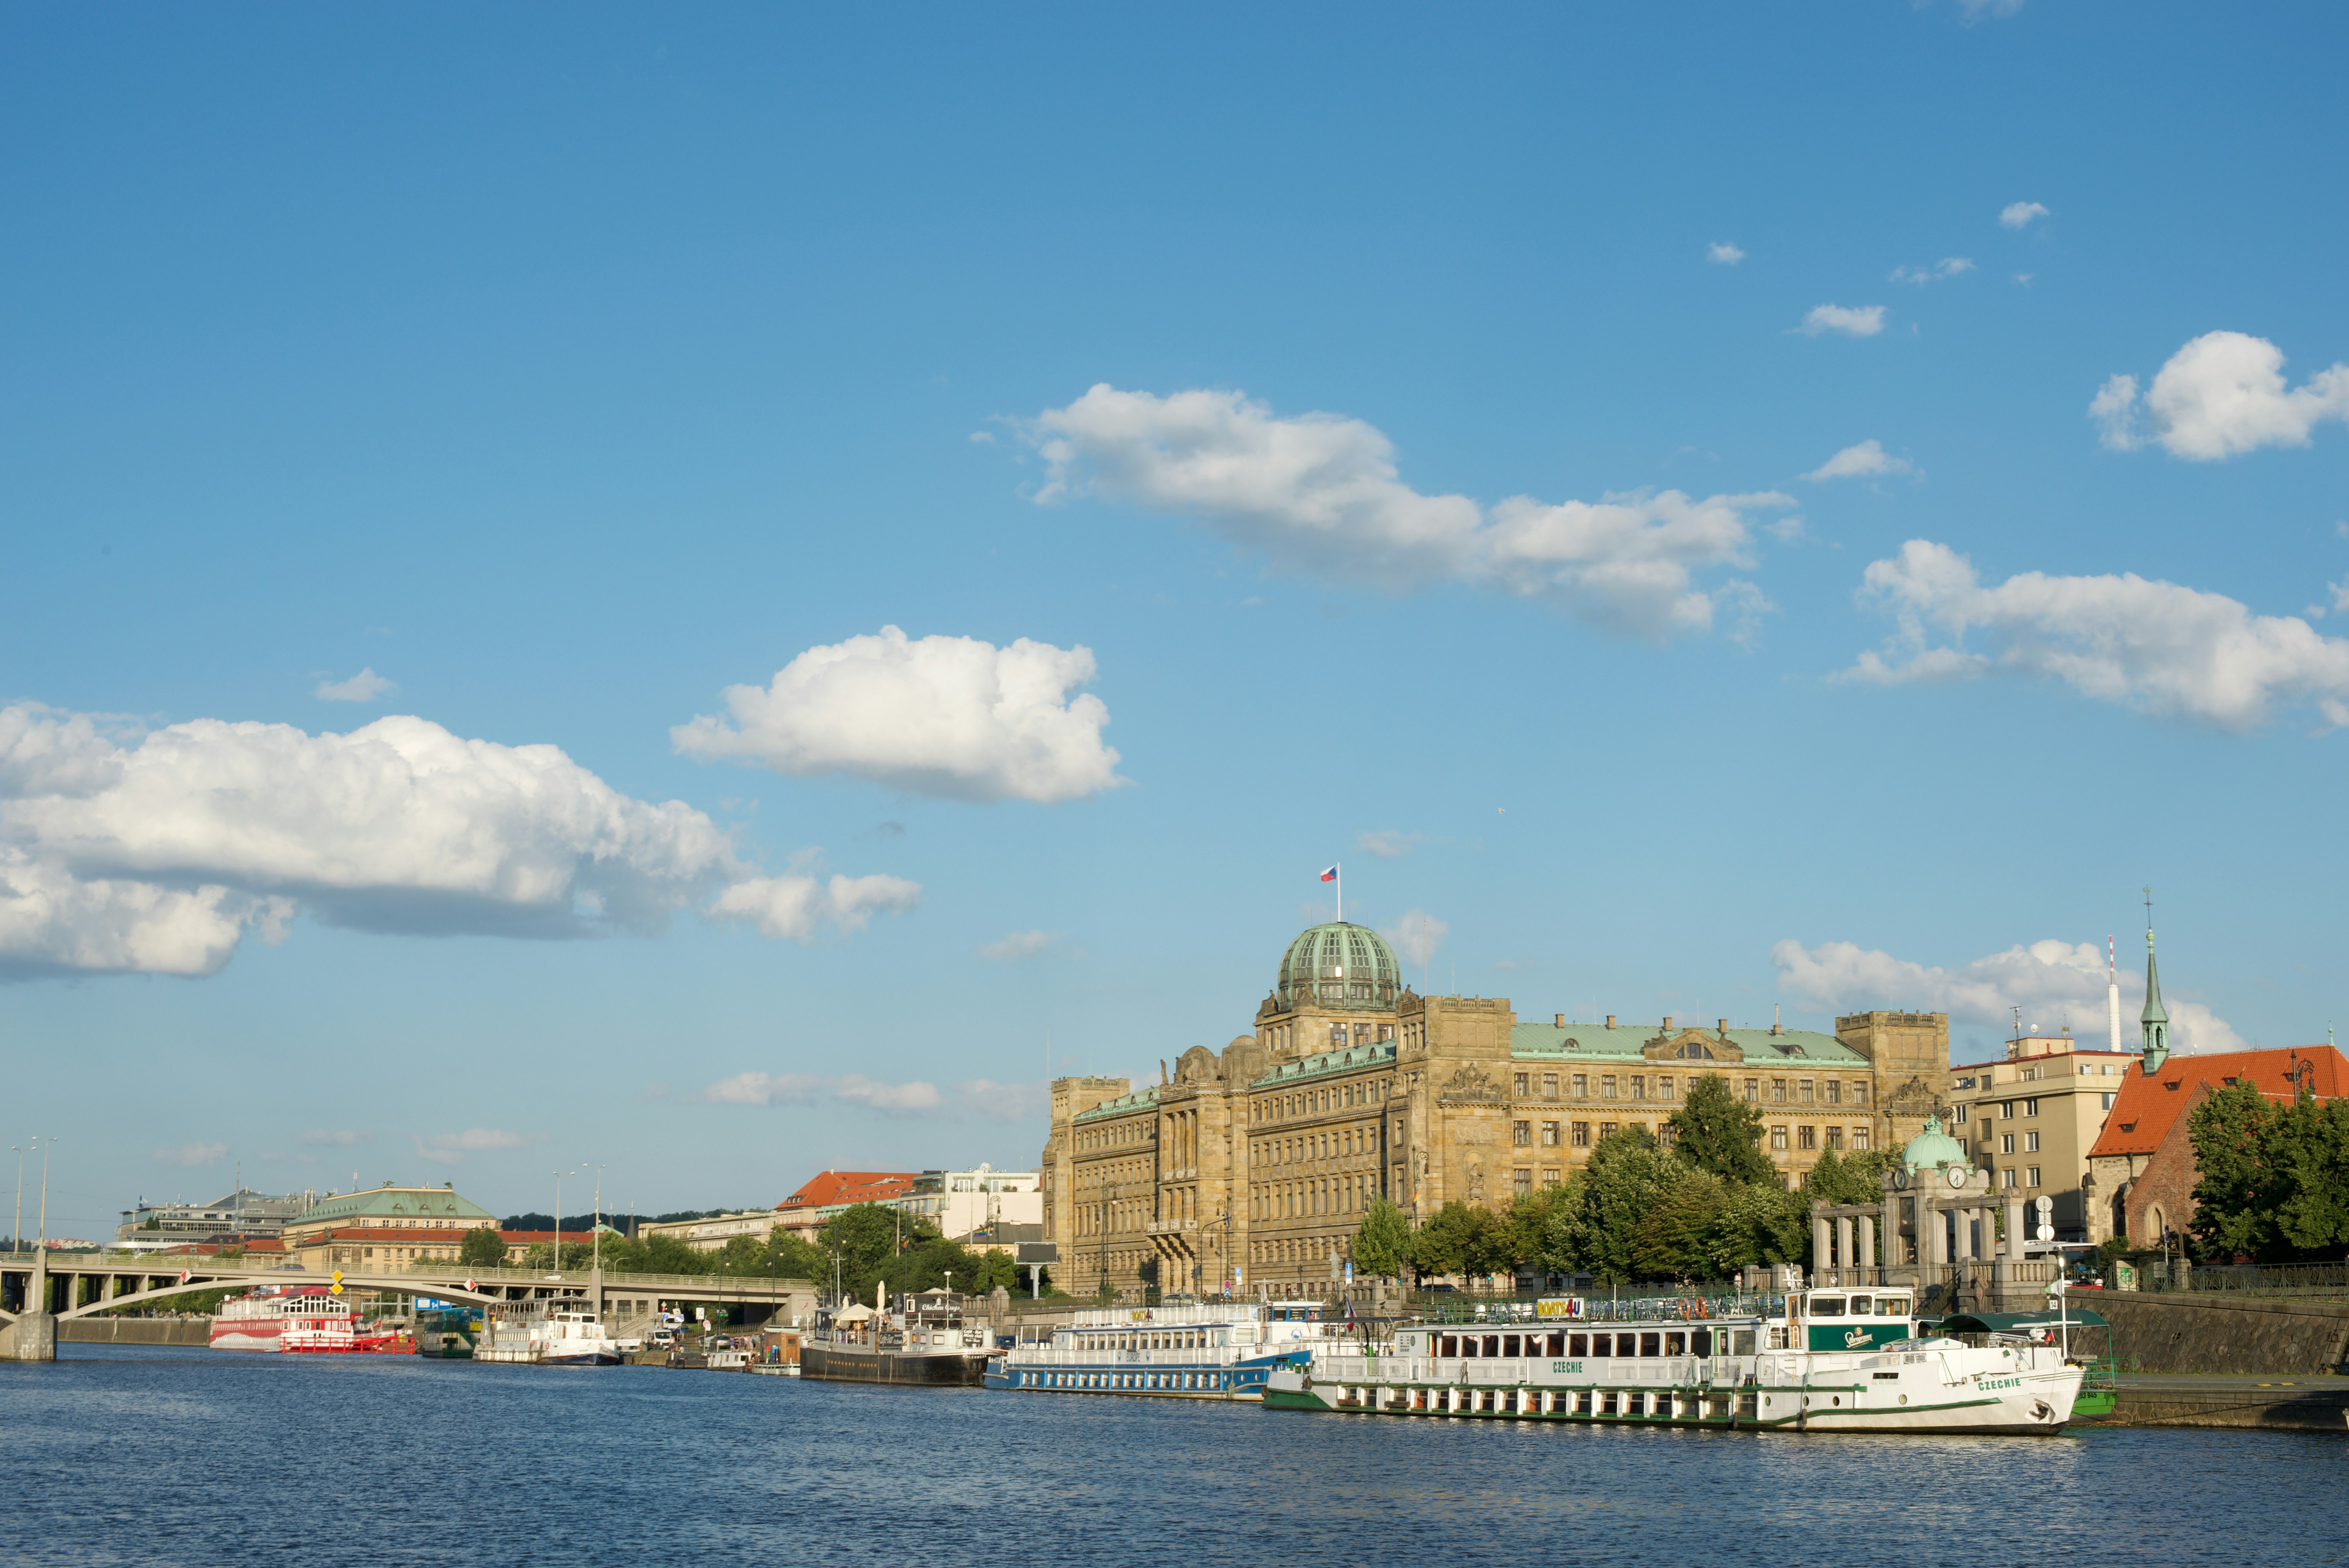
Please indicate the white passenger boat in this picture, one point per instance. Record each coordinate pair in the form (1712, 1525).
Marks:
(547, 1333)
(1826, 1361)
(1195, 1352)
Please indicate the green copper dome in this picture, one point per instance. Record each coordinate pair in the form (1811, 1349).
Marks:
(1933, 1148)
(1340, 966)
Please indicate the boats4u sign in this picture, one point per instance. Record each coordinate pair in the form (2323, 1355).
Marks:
(1559, 1306)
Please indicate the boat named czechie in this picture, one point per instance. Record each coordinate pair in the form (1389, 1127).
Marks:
(1826, 1361)
(1194, 1352)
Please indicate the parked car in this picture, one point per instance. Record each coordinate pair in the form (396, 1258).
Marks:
(662, 1340)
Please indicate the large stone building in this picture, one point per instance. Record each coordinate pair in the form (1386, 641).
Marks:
(1252, 1165)
(2031, 1118)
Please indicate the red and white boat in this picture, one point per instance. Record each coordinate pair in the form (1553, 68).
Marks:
(307, 1318)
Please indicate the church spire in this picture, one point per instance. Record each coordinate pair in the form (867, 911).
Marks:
(2154, 1022)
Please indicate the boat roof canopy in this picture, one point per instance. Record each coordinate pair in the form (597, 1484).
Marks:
(2015, 1322)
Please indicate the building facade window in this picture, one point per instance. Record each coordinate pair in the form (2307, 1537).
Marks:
(1752, 1090)
(1663, 1089)
(1607, 1085)
(1521, 1133)
(1605, 1130)
(2034, 1174)
(1517, 1086)
(1549, 1135)
(1582, 1086)
(1807, 1137)
(1858, 1138)
(2007, 1177)
(1835, 1091)
(1834, 1138)
(2006, 1144)
(2031, 1108)
(1521, 1181)
(1778, 1139)
(1958, 1116)
(1549, 1086)
(1550, 1177)
(2031, 1146)
(1859, 1091)
(1777, 1091)
(1804, 1090)
(1580, 1133)
(2006, 1111)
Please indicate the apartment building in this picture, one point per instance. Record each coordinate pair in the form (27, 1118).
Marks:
(2032, 1117)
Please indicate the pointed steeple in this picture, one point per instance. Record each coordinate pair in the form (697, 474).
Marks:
(2154, 1022)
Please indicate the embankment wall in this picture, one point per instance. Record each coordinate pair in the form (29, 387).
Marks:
(2190, 1333)
(135, 1330)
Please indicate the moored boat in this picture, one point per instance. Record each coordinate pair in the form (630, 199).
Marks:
(1205, 1351)
(302, 1319)
(1825, 1360)
(546, 1333)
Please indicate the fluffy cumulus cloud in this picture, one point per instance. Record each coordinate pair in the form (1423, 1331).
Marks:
(2054, 983)
(2222, 395)
(1865, 460)
(1319, 494)
(156, 852)
(1417, 936)
(941, 715)
(1850, 320)
(364, 686)
(1947, 267)
(1722, 254)
(980, 1097)
(193, 1154)
(797, 903)
(2019, 214)
(2154, 646)
(451, 1148)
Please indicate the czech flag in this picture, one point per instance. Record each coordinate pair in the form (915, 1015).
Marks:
(1329, 875)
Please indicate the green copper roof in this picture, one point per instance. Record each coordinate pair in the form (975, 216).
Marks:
(1933, 1148)
(2154, 1013)
(1596, 1042)
(1123, 1105)
(405, 1205)
(1340, 966)
(1353, 1058)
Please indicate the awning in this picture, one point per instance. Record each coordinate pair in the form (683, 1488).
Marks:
(2015, 1322)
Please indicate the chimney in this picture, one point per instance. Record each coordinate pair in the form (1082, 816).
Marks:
(1724, 1028)
(1668, 1023)
(1561, 1020)
(1610, 1020)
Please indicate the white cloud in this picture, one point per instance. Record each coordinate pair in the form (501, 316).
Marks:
(1972, 11)
(2150, 645)
(451, 1148)
(1947, 267)
(1723, 254)
(193, 1154)
(914, 1098)
(943, 715)
(1019, 945)
(794, 904)
(765, 1088)
(1855, 321)
(1002, 1101)
(2018, 215)
(1387, 844)
(1319, 494)
(155, 852)
(364, 686)
(1861, 461)
(2054, 983)
(339, 1138)
(1417, 936)
(2220, 396)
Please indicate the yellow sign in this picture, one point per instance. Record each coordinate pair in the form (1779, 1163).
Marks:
(1559, 1306)
(336, 1276)
(335, 1289)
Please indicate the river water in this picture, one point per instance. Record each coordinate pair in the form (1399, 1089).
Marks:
(138, 1455)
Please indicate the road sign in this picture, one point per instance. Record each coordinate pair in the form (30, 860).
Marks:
(184, 1276)
(336, 1276)
(2046, 1233)
(2047, 1206)
(470, 1285)
(335, 1289)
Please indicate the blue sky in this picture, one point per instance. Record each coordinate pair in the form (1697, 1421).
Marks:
(1476, 493)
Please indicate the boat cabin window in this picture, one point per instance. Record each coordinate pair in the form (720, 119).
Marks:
(1676, 1344)
(1602, 1344)
(1891, 1307)
(1510, 1345)
(1577, 1344)
(1557, 1344)
(1450, 1345)
(1827, 1306)
(1701, 1342)
(1741, 1341)
(1859, 1305)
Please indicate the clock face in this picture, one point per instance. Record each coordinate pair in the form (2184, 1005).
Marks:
(1901, 1180)
(1957, 1177)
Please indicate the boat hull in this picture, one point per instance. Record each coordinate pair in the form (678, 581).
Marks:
(245, 1334)
(938, 1369)
(2037, 1404)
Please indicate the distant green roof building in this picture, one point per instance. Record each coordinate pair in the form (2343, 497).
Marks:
(390, 1206)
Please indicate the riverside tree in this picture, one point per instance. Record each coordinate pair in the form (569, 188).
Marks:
(1714, 1130)
(1382, 1241)
(2275, 1183)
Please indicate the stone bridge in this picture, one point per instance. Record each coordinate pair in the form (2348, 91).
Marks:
(79, 1285)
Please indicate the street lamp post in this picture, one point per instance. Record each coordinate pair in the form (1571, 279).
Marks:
(595, 1237)
(16, 1226)
(46, 1144)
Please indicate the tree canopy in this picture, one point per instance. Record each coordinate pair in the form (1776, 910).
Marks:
(1382, 1241)
(2274, 1182)
(1714, 1130)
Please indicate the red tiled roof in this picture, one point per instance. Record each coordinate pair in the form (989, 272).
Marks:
(830, 1187)
(2147, 1106)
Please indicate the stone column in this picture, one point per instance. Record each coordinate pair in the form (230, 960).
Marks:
(2015, 1234)
(1865, 1257)
(1843, 1249)
(1818, 1242)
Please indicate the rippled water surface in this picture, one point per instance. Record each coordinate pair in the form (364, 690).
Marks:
(138, 1455)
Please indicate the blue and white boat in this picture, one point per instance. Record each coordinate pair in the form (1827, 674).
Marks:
(1208, 1351)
